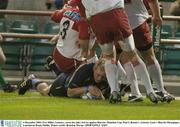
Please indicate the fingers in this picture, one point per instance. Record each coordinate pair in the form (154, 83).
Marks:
(102, 97)
(96, 92)
(54, 39)
(157, 21)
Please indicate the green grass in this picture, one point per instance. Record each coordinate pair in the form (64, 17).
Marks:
(36, 107)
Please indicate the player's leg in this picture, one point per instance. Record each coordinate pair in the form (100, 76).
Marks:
(59, 86)
(3, 84)
(129, 54)
(135, 93)
(30, 82)
(144, 43)
(2, 60)
(111, 71)
(43, 88)
(2, 56)
(51, 65)
(68, 65)
(155, 72)
(140, 34)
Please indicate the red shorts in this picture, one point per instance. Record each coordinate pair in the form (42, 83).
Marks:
(66, 65)
(142, 37)
(111, 26)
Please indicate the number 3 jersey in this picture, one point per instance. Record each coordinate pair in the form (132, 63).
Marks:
(72, 28)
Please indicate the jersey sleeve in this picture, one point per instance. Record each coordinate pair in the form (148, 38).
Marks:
(79, 77)
(57, 16)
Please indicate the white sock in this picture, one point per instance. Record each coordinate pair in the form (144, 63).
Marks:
(131, 76)
(142, 72)
(156, 75)
(122, 73)
(112, 75)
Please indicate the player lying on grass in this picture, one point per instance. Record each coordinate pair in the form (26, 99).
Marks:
(87, 78)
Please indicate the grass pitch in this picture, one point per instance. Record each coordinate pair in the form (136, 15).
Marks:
(36, 107)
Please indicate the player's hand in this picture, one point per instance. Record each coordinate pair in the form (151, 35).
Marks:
(157, 20)
(54, 39)
(96, 92)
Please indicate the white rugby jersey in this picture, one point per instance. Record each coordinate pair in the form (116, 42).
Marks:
(72, 28)
(94, 7)
(136, 11)
(69, 46)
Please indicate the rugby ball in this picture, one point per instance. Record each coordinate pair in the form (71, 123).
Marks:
(88, 96)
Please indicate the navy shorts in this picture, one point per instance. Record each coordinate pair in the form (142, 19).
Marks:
(59, 87)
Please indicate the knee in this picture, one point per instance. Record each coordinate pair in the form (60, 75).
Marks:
(128, 44)
(70, 92)
(43, 88)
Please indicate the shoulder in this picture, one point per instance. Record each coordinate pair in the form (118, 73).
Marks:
(85, 67)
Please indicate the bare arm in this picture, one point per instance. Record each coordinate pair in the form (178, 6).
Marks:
(154, 5)
(77, 92)
(84, 45)
(55, 39)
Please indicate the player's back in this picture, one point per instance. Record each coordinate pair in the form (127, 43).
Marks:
(69, 32)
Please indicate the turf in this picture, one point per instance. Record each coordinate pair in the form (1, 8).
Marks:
(36, 107)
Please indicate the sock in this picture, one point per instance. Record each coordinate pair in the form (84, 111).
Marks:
(156, 75)
(35, 82)
(122, 73)
(142, 73)
(131, 76)
(112, 75)
(2, 81)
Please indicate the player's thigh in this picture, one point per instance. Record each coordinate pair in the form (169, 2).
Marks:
(142, 37)
(111, 26)
(58, 86)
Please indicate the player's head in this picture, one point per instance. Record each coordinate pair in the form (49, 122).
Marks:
(99, 71)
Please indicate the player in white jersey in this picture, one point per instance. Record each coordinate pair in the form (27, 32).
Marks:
(138, 15)
(73, 30)
(94, 7)
(109, 22)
